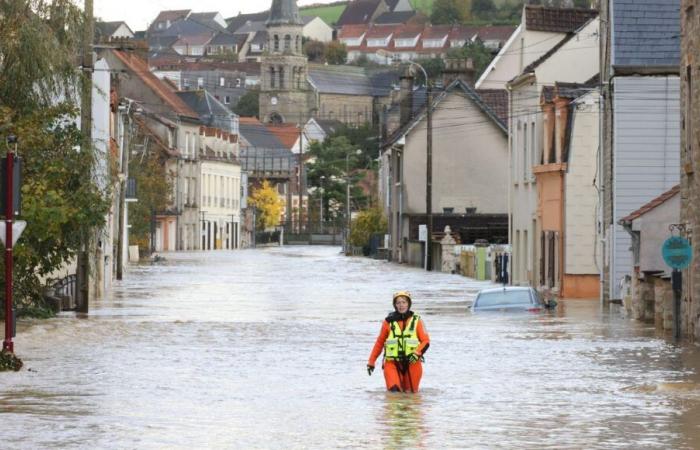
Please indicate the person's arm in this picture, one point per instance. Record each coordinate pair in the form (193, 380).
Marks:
(424, 339)
(379, 344)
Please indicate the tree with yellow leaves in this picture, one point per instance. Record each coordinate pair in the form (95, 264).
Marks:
(268, 205)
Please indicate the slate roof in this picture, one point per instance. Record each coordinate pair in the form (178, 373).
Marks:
(107, 29)
(284, 12)
(161, 42)
(171, 15)
(340, 80)
(556, 20)
(211, 111)
(257, 135)
(259, 39)
(329, 126)
(646, 34)
(495, 32)
(251, 27)
(234, 23)
(394, 18)
(228, 39)
(652, 204)
(497, 101)
(357, 12)
(139, 67)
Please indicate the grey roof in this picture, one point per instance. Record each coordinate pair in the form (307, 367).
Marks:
(257, 135)
(161, 42)
(226, 38)
(358, 12)
(284, 12)
(646, 34)
(394, 18)
(251, 27)
(188, 27)
(329, 126)
(211, 111)
(238, 21)
(351, 80)
(108, 28)
(260, 39)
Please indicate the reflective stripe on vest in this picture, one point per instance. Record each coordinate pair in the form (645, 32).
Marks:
(402, 344)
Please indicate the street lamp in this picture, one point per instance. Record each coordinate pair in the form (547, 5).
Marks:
(320, 211)
(347, 198)
(428, 166)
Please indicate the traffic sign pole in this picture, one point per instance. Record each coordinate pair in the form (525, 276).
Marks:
(676, 284)
(678, 254)
(7, 344)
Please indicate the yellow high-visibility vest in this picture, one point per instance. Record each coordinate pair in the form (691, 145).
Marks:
(402, 344)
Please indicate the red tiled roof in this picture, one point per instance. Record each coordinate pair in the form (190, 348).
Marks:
(556, 20)
(381, 31)
(140, 68)
(463, 32)
(501, 33)
(408, 32)
(652, 204)
(437, 32)
(287, 133)
(248, 120)
(352, 31)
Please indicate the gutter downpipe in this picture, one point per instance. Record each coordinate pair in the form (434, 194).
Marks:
(510, 182)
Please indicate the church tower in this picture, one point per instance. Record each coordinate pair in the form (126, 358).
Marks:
(284, 90)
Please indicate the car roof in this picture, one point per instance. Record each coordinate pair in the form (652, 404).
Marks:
(504, 288)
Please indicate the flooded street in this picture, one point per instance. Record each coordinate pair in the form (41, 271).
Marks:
(267, 349)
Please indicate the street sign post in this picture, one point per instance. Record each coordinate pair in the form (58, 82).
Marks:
(678, 254)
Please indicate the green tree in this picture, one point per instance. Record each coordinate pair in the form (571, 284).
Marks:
(268, 205)
(480, 55)
(450, 12)
(249, 104)
(367, 223)
(433, 67)
(315, 50)
(154, 187)
(483, 9)
(62, 201)
(336, 53)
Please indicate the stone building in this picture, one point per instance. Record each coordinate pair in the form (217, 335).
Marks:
(690, 157)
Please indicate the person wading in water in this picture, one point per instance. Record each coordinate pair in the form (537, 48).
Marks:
(404, 341)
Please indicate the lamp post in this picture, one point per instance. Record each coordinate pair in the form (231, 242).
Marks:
(347, 199)
(320, 211)
(428, 167)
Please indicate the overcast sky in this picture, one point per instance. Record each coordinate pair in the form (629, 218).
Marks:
(139, 13)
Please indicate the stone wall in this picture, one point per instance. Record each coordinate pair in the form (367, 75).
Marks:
(690, 160)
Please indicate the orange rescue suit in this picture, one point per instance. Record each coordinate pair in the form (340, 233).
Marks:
(396, 375)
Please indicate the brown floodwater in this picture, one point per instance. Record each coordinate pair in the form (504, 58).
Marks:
(267, 349)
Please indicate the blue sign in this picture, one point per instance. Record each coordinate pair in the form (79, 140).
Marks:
(677, 252)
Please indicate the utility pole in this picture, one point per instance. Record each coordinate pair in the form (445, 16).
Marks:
(429, 175)
(347, 203)
(86, 129)
(126, 147)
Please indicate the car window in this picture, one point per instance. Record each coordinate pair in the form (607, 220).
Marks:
(503, 298)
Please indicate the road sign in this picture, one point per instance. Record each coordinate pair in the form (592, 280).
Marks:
(677, 252)
(18, 227)
(423, 233)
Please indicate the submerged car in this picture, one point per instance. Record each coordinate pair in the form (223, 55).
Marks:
(510, 298)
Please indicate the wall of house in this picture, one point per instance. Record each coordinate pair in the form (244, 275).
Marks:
(319, 30)
(221, 187)
(521, 49)
(469, 161)
(690, 158)
(581, 196)
(524, 152)
(577, 61)
(653, 229)
(646, 133)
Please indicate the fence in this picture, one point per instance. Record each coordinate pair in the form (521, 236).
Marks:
(67, 290)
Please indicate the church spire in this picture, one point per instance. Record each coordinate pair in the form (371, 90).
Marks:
(284, 12)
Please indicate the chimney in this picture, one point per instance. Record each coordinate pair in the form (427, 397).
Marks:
(459, 69)
(406, 98)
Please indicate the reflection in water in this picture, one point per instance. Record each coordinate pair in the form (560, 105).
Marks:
(402, 421)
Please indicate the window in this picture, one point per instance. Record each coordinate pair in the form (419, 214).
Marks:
(448, 210)
(238, 82)
(227, 99)
(688, 120)
(276, 43)
(272, 77)
(222, 82)
(287, 42)
(533, 148)
(200, 83)
(187, 144)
